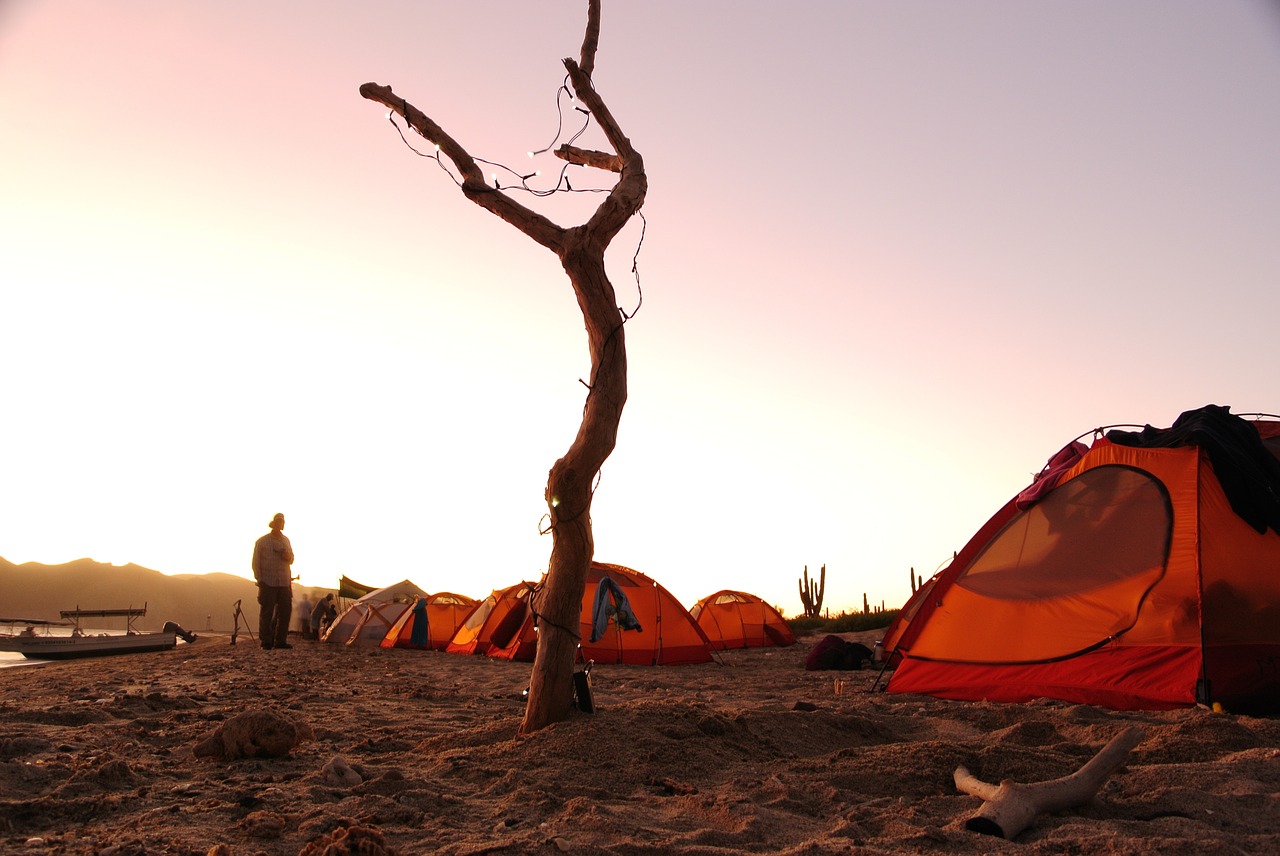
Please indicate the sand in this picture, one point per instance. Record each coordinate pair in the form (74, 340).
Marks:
(416, 752)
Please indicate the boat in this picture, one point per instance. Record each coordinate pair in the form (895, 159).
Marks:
(44, 645)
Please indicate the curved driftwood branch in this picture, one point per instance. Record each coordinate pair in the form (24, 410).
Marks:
(1010, 807)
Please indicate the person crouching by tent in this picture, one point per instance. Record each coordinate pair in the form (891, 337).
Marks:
(322, 616)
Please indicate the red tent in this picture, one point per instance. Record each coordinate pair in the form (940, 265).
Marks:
(1141, 571)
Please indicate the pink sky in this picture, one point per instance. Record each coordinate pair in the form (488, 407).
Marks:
(897, 255)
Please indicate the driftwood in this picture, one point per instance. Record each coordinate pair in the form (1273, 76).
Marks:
(1010, 807)
(581, 252)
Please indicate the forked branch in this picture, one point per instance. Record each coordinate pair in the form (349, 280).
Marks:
(1010, 807)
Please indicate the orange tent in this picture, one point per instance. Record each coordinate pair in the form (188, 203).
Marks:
(475, 633)
(668, 635)
(735, 619)
(429, 622)
(1141, 571)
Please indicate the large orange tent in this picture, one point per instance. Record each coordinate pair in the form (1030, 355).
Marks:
(668, 635)
(1140, 571)
(429, 622)
(475, 634)
(736, 619)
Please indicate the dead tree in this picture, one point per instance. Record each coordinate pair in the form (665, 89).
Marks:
(581, 252)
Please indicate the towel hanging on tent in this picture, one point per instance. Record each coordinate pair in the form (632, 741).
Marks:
(611, 602)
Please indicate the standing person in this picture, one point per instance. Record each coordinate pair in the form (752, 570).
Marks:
(272, 558)
(303, 613)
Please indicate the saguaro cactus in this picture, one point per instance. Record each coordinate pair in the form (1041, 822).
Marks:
(811, 595)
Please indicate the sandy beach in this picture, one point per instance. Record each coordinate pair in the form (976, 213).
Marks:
(416, 752)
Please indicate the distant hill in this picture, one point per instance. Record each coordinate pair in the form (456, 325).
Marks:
(198, 602)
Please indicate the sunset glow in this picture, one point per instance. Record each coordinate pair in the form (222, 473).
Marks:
(894, 257)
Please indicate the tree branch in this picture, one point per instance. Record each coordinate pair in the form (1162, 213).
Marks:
(1010, 807)
(474, 187)
(591, 38)
(589, 157)
(585, 91)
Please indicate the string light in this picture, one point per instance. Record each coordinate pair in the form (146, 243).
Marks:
(562, 185)
(520, 179)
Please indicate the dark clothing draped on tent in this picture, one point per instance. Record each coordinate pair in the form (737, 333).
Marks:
(418, 636)
(1248, 473)
(611, 602)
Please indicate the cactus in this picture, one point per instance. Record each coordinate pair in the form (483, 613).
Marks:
(812, 599)
(911, 572)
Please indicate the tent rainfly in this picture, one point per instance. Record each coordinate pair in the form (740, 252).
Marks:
(475, 634)
(1139, 571)
(736, 619)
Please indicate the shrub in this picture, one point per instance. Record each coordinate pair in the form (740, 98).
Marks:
(854, 622)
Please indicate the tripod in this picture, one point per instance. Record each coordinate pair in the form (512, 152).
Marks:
(238, 617)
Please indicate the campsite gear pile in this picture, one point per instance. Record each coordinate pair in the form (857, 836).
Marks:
(834, 653)
(1139, 571)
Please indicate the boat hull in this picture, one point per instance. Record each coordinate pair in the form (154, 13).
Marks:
(76, 647)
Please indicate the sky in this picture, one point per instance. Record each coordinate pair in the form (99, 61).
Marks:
(894, 255)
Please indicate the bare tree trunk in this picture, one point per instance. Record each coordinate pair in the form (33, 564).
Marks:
(581, 251)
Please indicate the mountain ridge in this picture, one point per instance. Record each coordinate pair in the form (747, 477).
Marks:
(198, 602)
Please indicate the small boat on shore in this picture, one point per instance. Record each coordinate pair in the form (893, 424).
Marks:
(33, 644)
